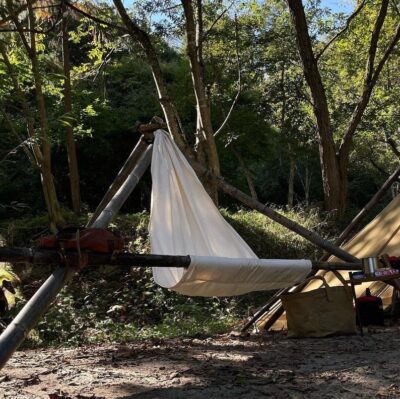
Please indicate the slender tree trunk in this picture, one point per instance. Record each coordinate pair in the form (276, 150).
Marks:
(56, 218)
(306, 183)
(205, 132)
(307, 186)
(69, 131)
(284, 131)
(246, 171)
(42, 153)
(167, 106)
(292, 172)
(333, 181)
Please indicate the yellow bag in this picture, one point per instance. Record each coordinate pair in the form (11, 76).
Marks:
(321, 312)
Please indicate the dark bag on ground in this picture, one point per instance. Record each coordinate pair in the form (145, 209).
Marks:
(320, 313)
(370, 308)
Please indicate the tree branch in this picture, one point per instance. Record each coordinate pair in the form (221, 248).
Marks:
(95, 19)
(209, 30)
(30, 124)
(343, 30)
(377, 167)
(239, 66)
(143, 39)
(393, 146)
(20, 29)
(22, 143)
(15, 13)
(37, 31)
(371, 76)
(396, 8)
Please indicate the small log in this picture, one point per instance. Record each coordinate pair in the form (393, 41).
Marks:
(151, 127)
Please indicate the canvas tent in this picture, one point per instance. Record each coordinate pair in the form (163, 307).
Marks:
(381, 235)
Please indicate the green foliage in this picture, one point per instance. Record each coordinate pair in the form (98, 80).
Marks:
(8, 284)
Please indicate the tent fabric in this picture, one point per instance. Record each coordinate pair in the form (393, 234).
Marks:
(184, 220)
(213, 276)
(380, 236)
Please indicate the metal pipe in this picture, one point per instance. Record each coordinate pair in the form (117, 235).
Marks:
(123, 174)
(18, 329)
(128, 259)
(116, 202)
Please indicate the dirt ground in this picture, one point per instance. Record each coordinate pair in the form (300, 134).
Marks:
(270, 366)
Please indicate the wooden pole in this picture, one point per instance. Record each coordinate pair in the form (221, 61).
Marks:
(83, 259)
(123, 174)
(17, 330)
(125, 190)
(372, 202)
(277, 217)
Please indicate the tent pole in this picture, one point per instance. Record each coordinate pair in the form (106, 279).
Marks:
(19, 328)
(122, 194)
(123, 174)
(371, 203)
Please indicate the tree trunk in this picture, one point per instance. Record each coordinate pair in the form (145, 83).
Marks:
(204, 131)
(334, 184)
(42, 152)
(167, 106)
(53, 206)
(246, 171)
(69, 131)
(292, 167)
(50, 195)
(334, 162)
(292, 172)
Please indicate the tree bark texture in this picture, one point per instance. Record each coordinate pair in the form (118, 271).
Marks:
(333, 182)
(335, 161)
(69, 131)
(41, 151)
(204, 131)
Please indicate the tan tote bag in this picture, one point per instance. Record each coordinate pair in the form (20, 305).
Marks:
(321, 312)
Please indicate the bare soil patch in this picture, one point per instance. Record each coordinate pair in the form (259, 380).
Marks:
(270, 366)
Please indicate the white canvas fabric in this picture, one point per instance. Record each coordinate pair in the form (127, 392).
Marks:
(185, 221)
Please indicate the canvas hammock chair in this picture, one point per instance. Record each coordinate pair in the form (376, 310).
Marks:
(184, 220)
